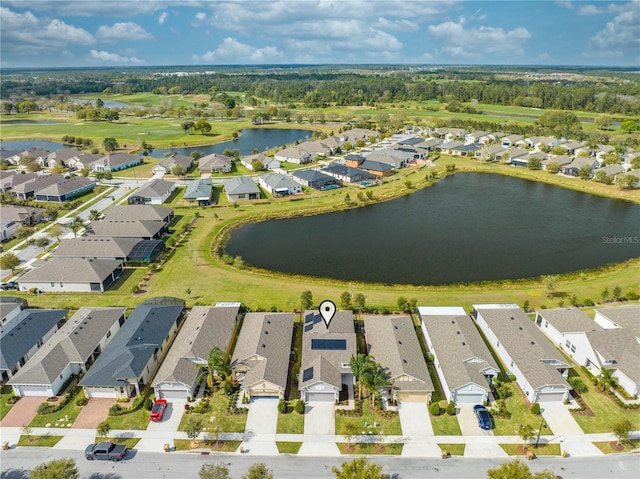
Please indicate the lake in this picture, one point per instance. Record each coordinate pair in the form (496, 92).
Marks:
(254, 138)
(26, 144)
(466, 228)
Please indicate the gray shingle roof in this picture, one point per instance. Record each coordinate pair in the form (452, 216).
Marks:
(133, 346)
(155, 188)
(72, 343)
(627, 317)
(95, 247)
(392, 342)
(138, 212)
(569, 320)
(23, 332)
(198, 189)
(66, 186)
(240, 185)
(71, 270)
(279, 181)
(312, 176)
(620, 347)
(125, 228)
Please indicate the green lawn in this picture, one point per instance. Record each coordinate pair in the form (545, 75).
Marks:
(288, 447)
(228, 423)
(292, 423)
(541, 450)
(453, 449)
(62, 418)
(7, 392)
(606, 412)
(370, 449)
(130, 442)
(39, 441)
(220, 446)
(137, 421)
(388, 426)
(445, 425)
(520, 414)
(607, 447)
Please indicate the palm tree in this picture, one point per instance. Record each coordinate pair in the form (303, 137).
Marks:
(606, 379)
(375, 379)
(218, 363)
(76, 225)
(360, 363)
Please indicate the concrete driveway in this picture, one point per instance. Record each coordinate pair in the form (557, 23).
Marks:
(417, 430)
(162, 432)
(469, 422)
(93, 413)
(260, 431)
(22, 412)
(566, 430)
(319, 430)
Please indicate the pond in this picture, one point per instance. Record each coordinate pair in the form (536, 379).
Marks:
(26, 144)
(253, 138)
(109, 104)
(466, 228)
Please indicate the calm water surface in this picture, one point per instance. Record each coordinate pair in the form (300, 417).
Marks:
(469, 227)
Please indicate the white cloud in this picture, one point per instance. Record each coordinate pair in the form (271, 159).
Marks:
(201, 16)
(162, 18)
(590, 10)
(122, 31)
(232, 51)
(108, 57)
(619, 34)
(25, 34)
(475, 42)
(95, 8)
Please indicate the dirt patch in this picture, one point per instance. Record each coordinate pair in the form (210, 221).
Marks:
(22, 412)
(616, 447)
(93, 413)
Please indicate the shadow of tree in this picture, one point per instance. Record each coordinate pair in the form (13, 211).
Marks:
(14, 474)
(109, 475)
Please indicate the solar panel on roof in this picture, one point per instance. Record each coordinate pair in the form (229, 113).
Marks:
(329, 344)
(307, 374)
(308, 319)
(308, 327)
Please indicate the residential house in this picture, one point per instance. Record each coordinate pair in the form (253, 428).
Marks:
(199, 191)
(116, 162)
(295, 155)
(561, 160)
(72, 275)
(540, 370)
(260, 359)
(326, 352)
(353, 135)
(316, 148)
(468, 149)
(141, 229)
(377, 168)
(517, 156)
(538, 142)
(10, 307)
(448, 146)
(139, 212)
(240, 188)
(572, 146)
(268, 163)
(450, 134)
(353, 160)
(397, 158)
(431, 144)
(611, 170)
(69, 352)
(279, 185)
(205, 328)
(392, 342)
(314, 179)
(11, 178)
(65, 189)
(60, 157)
(119, 248)
(23, 215)
(129, 361)
(346, 174)
(154, 192)
(24, 335)
(214, 163)
(27, 190)
(83, 161)
(413, 141)
(510, 140)
(461, 359)
(491, 152)
(573, 168)
(476, 137)
(166, 166)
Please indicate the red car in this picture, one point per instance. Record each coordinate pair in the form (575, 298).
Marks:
(157, 411)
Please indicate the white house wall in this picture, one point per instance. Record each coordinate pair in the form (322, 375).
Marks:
(436, 361)
(548, 329)
(627, 383)
(603, 321)
(56, 287)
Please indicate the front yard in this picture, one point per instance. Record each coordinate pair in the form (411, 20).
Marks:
(541, 450)
(62, 418)
(5, 395)
(220, 446)
(367, 423)
(445, 425)
(520, 414)
(215, 413)
(137, 421)
(291, 423)
(38, 441)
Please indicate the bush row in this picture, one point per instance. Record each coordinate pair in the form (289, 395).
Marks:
(355, 412)
(140, 401)
(378, 411)
(45, 408)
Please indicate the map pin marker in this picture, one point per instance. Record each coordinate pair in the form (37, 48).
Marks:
(327, 311)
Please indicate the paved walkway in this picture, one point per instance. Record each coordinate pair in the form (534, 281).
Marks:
(566, 431)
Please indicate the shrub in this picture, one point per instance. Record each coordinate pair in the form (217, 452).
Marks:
(535, 408)
(588, 302)
(434, 409)
(632, 296)
(13, 399)
(82, 401)
(299, 407)
(282, 406)
(115, 410)
(148, 404)
(451, 409)
(578, 385)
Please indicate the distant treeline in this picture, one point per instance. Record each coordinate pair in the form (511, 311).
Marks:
(317, 89)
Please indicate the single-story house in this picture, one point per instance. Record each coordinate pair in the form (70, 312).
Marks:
(9, 179)
(166, 166)
(240, 188)
(279, 185)
(199, 191)
(28, 189)
(130, 360)
(431, 144)
(119, 248)
(571, 146)
(154, 192)
(60, 157)
(268, 163)
(67, 275)
(353, 160)
(540, 370)
(70, 351)
(377, 168)
(214, 163)
(475, 136)
(510, 140)
(24, 335)
(450, 134)
(139, 212)
(260, 360)
(13, 217)
(573, 168)
(314, 179)
(65, 189)
(326, 352)
(355, 134)
(448, 146)
(461, 359)
(116, 162)
(142, 229)
(392, 342)
(316, 148)
(294, 154)
(611, 170)
(516, 156)
(346, 174)
(466, 149)
(205, 328)
(83, 160)
(561, 160)
(491, 152)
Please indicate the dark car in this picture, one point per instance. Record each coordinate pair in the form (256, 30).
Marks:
(484, 418)
(157, 411)
(105, 451)
(9, 285)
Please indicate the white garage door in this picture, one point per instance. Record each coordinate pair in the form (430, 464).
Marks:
(321, 397)
(33, 390)
(175, 394)
(100, 392)
(469, 398)
(555, 396)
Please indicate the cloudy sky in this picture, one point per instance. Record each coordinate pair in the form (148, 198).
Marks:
(46, 33)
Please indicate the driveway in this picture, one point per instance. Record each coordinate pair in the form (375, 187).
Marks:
(93, 413)
(260, 431)
(22, 412)
(417, 431)
(559, 419)
(320, 419)
(469, 422)
(162, 432)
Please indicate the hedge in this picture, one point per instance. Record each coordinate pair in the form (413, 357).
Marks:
(45, 408)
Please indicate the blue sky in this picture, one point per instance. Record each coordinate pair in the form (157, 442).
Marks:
(58, 33)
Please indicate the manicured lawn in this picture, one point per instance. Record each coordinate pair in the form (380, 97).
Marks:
(137, 421)
(228, 423)
(7, 392)
(609, 447)
(220, 446)
(453, 449)
(366, 448)
(288, 447)
(62, 418)
(445, 425)
(292, 423)
(606, 412)
(39, 441)
(130, 442)
(387, 426)
(541, 450)
(141, 172)
(520, 414)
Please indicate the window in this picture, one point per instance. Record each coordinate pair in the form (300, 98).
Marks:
(568, 344)
(108, 334)
(53, 285)
(573, 348)
(241, 197)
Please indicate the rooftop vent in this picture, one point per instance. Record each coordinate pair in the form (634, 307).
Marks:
(533, 342)
(464, 344)
(457, 332)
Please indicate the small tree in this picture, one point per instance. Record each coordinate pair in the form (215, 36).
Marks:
(110, 144)
(350, 429)
(403, 304)
(359, 468)
(55, 230)
(259, 470)
(359, 301)
(76, 225)
(42, 242)
(193, 428)
(306, 300)
(214, 471)
(535, 408)
(94, 215)
(9, 261)
(621, 430)
(551, 284)
(27, 430)
(299, 407)
(51, 213)
(517, 469)
(24, 232)
(282, 406)
(56, 469)
(434, 409)
(103, 429)
(345, 300)
(526, 432)
(451, 409)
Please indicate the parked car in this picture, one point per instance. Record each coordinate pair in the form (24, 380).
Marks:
(484, 418)
(105, 451)
(157, 411)
(8, 285)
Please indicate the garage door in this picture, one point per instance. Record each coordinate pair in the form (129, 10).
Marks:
(175, 394)
(412, 397)
(100, 392)
(551, 396)
(32, 390)
(321, 397)
(266, 394)
(469, 398)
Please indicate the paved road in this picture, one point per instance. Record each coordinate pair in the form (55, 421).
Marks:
(16, 462)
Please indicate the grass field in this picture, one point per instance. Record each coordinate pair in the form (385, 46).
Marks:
(6, 393)
(520, 414)
(453, 449)
(445, 425)
(608, 447)
(220, 446)
(288, 447)
(62, 418)
(541, 450)
(130, 442)
(370, 449)
(227, 423)
(138, 420)
(39, 441)
(292, 423)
